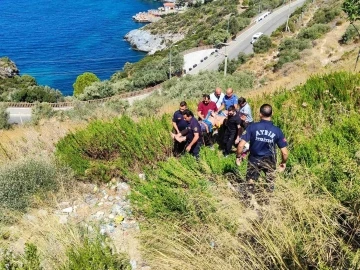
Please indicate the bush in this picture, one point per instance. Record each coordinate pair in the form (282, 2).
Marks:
(37, 94)
(174, 191)
(350, 34)
(325, 15)
(30, 260)
(19, 181)
(95, 254)
(293, 43)
(262, 45)
(107, 149)
(119, 106)
(97, 90)
(4, 118)
(235, 63)
(290, 49)
(82, 81)
(41, 111)
(314, 32)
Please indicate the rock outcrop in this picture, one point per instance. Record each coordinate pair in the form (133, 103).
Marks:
(143, 40)
(8, 68)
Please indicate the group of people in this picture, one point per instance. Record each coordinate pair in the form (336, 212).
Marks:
(230, 118)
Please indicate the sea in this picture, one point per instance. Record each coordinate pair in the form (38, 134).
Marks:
(55, 41)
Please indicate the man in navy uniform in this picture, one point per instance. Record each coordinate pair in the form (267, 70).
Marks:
(193, 136)
(179, 124)
(263, 136)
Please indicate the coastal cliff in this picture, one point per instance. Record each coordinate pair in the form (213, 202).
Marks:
(143, 40)
(8, 68)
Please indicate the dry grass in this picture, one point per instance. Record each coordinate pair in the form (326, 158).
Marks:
(270, 235)
(33, 141)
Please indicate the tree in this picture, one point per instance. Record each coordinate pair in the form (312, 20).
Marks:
(262, 45)
(234, 26)
(352, 9)
(82, 81)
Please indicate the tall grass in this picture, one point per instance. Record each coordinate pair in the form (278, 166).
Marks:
(192, 220)
(107, 149)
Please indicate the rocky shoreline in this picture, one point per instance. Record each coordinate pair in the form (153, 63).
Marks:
(8, 68)
(143, 40)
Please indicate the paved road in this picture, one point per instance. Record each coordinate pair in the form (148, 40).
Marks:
(242, 42)
(23, 115)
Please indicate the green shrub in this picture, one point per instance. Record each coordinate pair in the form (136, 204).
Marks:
(350, 34)
(19, 181)
(25, 89)
(286, 57)
(97, 90)
(314, 32)
(107, 149)
(262, 45)
(119, 106)
(325, 15)
(4, 118)
(41, 111)
(37, 94)
(95, 254)
(233, 64)
(293, 43)
(30, 260)
(82, 81)
(80, 111)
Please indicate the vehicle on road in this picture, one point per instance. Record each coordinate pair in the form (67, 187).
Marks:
(255, 37)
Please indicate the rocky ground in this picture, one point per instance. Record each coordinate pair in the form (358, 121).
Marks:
(103, 209)
(143, 40)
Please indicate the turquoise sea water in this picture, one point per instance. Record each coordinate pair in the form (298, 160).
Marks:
(55, 41)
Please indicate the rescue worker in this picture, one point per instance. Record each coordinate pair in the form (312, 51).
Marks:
(205, 106)
(193, 136)
(245, 113)
(229, 99)
(179, 124)
(263, 136)
(232, 129)
(217, 97)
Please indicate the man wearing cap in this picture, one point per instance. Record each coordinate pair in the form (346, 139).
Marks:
(179, 124)
(217, 97)
(263, 136)
(193, 136)
(229, 99)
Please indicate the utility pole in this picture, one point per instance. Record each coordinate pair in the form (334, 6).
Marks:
(287, 28)
(226, 56)
(259, 6)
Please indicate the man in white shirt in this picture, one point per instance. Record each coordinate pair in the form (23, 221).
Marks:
(217, 97)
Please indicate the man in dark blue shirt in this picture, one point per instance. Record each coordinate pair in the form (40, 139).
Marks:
(179, 124)
(263, 137)
(193, 136)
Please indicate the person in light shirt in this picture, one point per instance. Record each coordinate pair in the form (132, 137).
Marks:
(217, 97)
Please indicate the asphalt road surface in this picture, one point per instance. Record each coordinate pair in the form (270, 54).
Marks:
(23, 115)
(242, 42)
